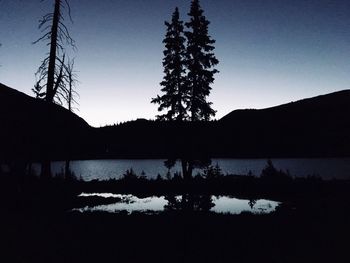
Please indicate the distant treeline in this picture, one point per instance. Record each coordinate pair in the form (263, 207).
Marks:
(316, 127)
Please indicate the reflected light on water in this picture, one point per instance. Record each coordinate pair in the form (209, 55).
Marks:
(155, 204)
(224, 204)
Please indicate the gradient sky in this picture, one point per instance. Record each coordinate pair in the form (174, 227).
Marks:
(271, 52)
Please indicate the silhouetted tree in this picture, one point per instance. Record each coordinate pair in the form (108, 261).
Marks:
(52, 73)
(212, 172)
(189, 73)
(272, 175)
(200, 61)
(175, 95)
(71, 83)
(70, 98)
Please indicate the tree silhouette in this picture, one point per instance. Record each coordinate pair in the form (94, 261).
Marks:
(71, 89)
(70, 98)
(200, 61)
(186, 96)
(188, 74)
(52, 73)
(174, 97)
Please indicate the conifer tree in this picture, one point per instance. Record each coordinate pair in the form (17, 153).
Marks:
(189, 72)
(175, 95)
(200, 61)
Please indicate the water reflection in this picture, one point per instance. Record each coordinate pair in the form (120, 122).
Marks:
(189, 202)
(186, 202)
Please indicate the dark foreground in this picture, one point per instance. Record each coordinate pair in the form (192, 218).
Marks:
(173, 238)
(37, 226)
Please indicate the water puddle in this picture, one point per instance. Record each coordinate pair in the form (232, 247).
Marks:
(157, 204)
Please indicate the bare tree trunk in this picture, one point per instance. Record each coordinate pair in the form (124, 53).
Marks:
(70, 99)
(46, 164)
(53, 49)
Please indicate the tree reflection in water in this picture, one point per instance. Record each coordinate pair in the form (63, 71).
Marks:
(189, 203)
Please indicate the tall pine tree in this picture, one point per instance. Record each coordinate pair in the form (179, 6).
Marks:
(200, 61)
(174, 97)
(189, 72)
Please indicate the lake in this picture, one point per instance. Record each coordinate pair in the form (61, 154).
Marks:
(326, 168)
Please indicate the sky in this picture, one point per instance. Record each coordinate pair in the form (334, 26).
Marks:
(270, 52)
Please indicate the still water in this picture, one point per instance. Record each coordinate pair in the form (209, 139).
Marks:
(327, 168)
(156, 204)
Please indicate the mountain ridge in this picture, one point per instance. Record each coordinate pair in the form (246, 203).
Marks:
(312, 127)
(339, 95)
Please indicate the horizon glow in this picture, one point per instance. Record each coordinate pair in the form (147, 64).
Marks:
(270, 52)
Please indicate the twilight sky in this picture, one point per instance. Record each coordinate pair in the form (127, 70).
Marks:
(271, 52)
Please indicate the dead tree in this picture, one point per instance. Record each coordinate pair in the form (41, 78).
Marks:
(72, 81)
(52, 73)
(50, 83)
(71, 94)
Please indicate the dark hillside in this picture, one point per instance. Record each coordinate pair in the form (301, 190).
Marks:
(318, 126)
(24, 126)
(314, 127)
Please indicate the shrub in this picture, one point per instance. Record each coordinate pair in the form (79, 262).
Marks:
(271, 173)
